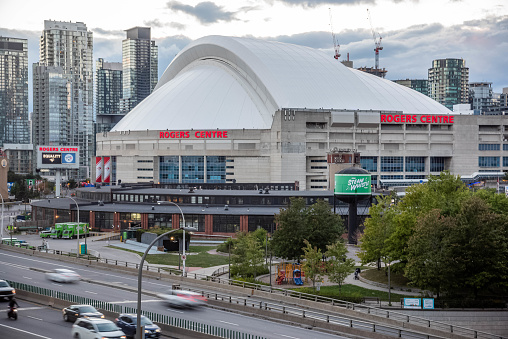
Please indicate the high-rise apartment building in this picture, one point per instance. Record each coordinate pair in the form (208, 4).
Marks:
(14, 126)
(481, 96)
(140, 67)
(419, 85)
(108, 86)
(449, 82)
(66, 52)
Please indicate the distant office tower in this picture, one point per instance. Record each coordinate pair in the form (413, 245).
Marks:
(108, 86)
(500, 106)
(14, 126)
(449, 82)
(419, 85)
(140, 67)
(66, 52)
(481, 96)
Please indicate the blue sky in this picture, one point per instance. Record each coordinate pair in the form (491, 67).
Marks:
(414, 32)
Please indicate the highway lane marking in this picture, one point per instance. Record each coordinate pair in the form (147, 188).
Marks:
(28, 316)
(17, 329)
(91, 292)
(287, 336)
(225, 322)
(57, 285)
(30, 308)
(172, 310)
(27, 278)
(133, 301)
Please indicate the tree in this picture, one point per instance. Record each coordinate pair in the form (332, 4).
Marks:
(247, 256)
(297, 222)
(339, 266)
(312, 264)
(430, 264)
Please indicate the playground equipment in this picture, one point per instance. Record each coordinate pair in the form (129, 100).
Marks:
(297, 277)
(289, 273)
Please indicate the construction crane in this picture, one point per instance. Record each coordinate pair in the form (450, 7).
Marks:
(377, 42)
(336, 46)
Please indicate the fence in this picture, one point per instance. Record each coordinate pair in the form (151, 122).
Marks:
(185, 324)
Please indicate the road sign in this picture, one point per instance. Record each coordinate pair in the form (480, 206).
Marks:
(184, 257)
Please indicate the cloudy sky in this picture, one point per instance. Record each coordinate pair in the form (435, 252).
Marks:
(414, 32)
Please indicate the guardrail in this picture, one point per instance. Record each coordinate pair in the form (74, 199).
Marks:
(155, 317)
(220, 271)
(372, 310)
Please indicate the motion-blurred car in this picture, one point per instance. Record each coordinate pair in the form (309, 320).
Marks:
(96, 328)
(6, 291)
(63, 275)
(128, 324)
(73, 312)
(182, 298)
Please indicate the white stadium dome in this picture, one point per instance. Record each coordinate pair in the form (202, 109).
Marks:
(219, 82)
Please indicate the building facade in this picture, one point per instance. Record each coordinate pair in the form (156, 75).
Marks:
(108, 86)
(218, 116)
(66, 52)
(14, 125)
(140, 67)
(419, 85)
(449, 82)
(481, 96)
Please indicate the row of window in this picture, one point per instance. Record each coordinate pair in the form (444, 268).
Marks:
(491, 161)
(492, 147)
(396, 164)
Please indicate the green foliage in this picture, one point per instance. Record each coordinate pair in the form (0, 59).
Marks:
(226, 245)
(247, 256)
(312, 263)
(339, 266)
(297, 222)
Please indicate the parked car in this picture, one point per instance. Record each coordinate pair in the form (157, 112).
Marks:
(73, 312)
(128, 324)
(6, 291)
(92, 328)
(182, 298)
(63, 275)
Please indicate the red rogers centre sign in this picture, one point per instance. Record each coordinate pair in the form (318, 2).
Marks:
(196, 134)
(418, 119)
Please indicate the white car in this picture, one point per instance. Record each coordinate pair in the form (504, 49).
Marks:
(93, 328)
(181, 298)
(63, 275)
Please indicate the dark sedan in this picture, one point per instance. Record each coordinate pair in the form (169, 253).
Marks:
(6, 291)
(128, 322)
(74, 312)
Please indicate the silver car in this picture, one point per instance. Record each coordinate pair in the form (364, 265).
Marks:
(182, 298)
(92, 328)
(63, 275)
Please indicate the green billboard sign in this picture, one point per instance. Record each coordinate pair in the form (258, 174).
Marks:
(352, 184)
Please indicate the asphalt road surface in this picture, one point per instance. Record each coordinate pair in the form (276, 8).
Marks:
(18, 267)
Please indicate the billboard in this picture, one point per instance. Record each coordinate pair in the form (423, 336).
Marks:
(107, 169)
(98, 169)
(352, 184)
(65, 157)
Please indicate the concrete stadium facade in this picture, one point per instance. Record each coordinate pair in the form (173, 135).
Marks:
(243, 110)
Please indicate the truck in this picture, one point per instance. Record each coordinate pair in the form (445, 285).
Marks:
(57, 230)
(46, 234)
(71, 230)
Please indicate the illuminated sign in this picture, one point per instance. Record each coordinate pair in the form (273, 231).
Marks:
(57, 157)
(417, 119)
(352, 184)
(195, 134)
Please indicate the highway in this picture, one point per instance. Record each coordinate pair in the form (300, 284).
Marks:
(19, 267)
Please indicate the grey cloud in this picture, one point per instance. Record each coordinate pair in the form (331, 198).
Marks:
(169, 47)
(205, 12)
(177, 25)
(110, 33)
(153, 23)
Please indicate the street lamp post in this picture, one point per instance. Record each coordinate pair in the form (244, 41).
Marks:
(183, 228)
(77, 207)
(389, 287)
(139, 331)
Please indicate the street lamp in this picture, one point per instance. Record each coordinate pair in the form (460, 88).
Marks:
(139, 334)
(77, 207)
(389, 287)
(183, 228)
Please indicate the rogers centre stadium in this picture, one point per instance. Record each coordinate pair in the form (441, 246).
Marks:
(243, 110)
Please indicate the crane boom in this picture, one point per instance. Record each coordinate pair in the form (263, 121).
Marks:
(336, 45)
(377, 43)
